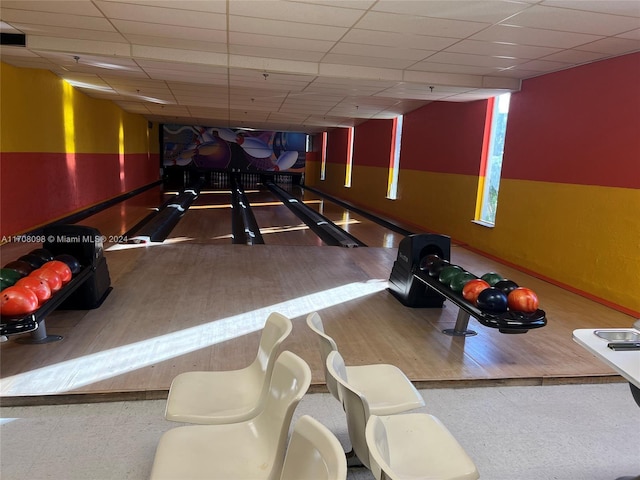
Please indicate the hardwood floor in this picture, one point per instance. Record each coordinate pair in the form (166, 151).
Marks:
(200, 304)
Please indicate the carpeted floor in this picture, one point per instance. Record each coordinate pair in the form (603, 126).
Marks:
(568, 432)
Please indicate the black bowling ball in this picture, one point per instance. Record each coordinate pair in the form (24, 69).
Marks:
(436, 267)
(427, 261)
(20, 266)
(507, 286)
(34, 260)
(492, 300)
(43, 253)
(71, 261)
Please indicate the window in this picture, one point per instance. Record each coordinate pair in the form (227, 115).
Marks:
(491, 163)
(323, 156)
(347, 174)
(394, 160)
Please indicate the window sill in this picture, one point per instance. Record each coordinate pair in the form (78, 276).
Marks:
(483, 223)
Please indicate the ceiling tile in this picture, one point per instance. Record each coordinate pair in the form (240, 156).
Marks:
(630, 8)
(176, 43)
(59, 6)
(398, 40)
(212, 6)
(377, 51)
(571, 20)
(67, 32)
(474, 60)
(283, 28)
(438, 27)
(612, 46)
(289, 62)
(170, 31)
(574, 56)
(542, 66)
(254, 51)
(477, 47)
(56, 19)
(487, 11)
(272, 41)
(165, 16)
(450, 68)
(631, 34)
(296, 12)
(534, 36)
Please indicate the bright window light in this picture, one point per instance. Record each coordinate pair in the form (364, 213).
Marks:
(394, 159)
(491, 163)
(323, 158)
(88, 369)
(349, 166)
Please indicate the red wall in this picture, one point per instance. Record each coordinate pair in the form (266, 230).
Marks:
(372, 143)
(337, 141)
(577, 126)
(38, 187)
(444, 137)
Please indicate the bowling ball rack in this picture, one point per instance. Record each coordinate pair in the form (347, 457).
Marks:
(34, 323)
(86, 290)
(506, 322)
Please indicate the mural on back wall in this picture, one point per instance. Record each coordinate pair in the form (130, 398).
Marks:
(223, 148)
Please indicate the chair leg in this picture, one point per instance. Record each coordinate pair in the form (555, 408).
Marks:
(353, 460)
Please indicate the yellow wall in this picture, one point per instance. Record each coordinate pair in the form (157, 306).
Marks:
(584, 236)
(42, 113)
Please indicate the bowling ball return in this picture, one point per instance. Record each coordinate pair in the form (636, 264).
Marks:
(415, 288)
(87, 289)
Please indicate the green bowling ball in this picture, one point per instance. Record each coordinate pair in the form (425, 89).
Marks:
(458, 282)
(9, 276)
(492, 278)
(448, 272)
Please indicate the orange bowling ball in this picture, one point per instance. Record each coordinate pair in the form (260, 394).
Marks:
(50, 276)
(17, 301)
(38, 286)
(61, 269)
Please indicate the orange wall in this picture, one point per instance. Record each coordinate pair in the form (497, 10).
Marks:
(63, 151)
(569, 199)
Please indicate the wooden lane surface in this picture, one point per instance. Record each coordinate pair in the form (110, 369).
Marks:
(207, 220)
(367, 231)
(181, 307)
(278, 224)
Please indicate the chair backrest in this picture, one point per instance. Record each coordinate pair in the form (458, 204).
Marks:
(327, 345)
(275, 330)
(376, 437)
(314, 453)
(355, 406)
(289, 382)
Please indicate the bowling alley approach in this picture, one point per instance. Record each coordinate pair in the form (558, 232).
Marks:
(311, 240)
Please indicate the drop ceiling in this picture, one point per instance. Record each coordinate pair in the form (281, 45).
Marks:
(308, 65)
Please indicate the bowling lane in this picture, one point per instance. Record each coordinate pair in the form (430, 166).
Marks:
(279, 225)
(208, 219)
(367, 231)
(112, 222)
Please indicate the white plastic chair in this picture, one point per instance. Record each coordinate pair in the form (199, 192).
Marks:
(314, 453)
(387, 388)
(219, 397)
(251, 450)
(416, 446)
